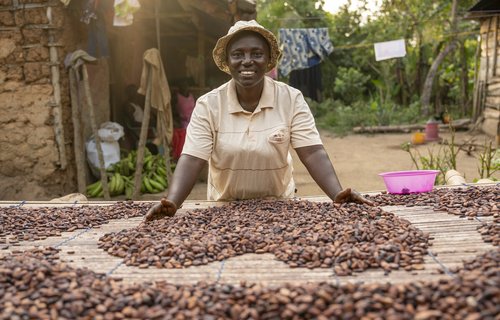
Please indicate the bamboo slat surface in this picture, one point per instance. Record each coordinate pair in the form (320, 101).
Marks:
(454, 240)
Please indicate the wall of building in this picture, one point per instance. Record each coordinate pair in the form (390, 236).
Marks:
(487, 86)
(30, 159)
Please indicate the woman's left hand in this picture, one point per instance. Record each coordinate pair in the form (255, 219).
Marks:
(351, 195)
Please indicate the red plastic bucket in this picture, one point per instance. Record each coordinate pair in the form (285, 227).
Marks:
(431, 131)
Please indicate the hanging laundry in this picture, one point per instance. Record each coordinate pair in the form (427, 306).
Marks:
(124, 12)
(308, 81)
(390, 49)
(160, 92)
(303, 48)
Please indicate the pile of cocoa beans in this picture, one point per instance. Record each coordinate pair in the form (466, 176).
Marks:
(348, 238)
(470, 201)
(34, 285)
(490, 231)
(29, 224)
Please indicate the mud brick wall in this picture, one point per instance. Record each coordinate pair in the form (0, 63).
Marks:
(30, 167)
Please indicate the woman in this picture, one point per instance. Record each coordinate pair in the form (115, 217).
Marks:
(244, 129)
(184, 102)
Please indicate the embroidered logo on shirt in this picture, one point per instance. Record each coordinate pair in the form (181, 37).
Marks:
(278, 136)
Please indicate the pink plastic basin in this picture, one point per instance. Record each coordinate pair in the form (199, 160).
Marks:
(412, 181)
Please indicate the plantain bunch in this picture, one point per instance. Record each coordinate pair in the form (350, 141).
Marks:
(121, 176)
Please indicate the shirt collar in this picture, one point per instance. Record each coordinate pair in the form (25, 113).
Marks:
(266, 100)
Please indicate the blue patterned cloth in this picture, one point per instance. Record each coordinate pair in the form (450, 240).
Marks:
(303, 48)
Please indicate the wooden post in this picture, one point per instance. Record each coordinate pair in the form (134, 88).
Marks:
(77, 129)
(166, 155)
(475, 98)
(478, 97)
(142, 138)
(88, 96)
(57, 110)
(495, 44)
(484, 93)
(157, 24)
(487, 55)
(158, 44)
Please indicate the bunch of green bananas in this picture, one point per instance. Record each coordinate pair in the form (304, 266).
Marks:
(121, 176)
(116, 184)
(154, 178)
(95, 190)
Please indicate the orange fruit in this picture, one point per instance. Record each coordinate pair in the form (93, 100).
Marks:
(418, 138)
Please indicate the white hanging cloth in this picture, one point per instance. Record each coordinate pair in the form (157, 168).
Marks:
(390, 49)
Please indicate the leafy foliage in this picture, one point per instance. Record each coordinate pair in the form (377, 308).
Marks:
(340, 118)
(350, 84)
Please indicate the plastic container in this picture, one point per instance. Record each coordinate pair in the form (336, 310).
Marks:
(431, 130)
(454, 178)
(412, 181)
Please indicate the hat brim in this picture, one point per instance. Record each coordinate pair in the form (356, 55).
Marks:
(220, 56)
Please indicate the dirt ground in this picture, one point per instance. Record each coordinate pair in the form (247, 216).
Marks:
(358, 159)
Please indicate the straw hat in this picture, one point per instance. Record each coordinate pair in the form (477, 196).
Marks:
(219, 53)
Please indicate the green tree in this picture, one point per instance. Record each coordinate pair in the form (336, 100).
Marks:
(275, 14)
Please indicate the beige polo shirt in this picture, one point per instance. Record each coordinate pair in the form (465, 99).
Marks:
(248, 153)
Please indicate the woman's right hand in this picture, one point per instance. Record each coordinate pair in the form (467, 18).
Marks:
(351, 195)
(165, 208)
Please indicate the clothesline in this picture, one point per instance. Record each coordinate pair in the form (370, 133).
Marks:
(371, 15)
(370, 44)
(488, 14)
(337, 27)
(304, 48)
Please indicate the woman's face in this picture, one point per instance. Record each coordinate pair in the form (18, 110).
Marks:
(247, 58)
